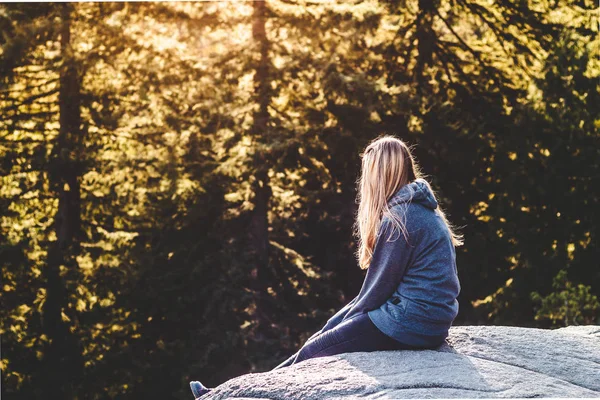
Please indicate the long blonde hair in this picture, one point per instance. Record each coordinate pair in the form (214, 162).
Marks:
(387, 165)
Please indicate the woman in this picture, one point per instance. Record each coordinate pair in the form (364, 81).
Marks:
(408, 299)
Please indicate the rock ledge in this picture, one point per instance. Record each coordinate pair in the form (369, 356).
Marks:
(477, 362)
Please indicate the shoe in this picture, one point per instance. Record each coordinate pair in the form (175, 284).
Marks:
(198, 389)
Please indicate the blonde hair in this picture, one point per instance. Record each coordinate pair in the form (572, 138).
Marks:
(387, 165)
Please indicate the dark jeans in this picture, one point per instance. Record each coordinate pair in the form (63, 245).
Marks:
(356, 334)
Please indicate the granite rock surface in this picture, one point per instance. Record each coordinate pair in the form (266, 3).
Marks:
(476, 362)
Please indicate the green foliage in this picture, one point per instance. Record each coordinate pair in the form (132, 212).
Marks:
(570, 304)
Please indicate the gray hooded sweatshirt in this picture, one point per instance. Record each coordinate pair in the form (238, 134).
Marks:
(411, 287)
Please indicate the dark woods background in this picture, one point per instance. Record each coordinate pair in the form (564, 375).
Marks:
(177, 180)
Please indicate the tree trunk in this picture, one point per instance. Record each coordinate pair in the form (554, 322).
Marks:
(425, 40)
(260, 131)
(63, 363)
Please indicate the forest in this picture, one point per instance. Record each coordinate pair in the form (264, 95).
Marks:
(178, 179)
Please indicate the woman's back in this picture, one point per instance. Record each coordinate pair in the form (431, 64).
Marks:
(424, 302)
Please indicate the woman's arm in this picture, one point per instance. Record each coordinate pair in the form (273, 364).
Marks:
(331, 323)
(338, 317)
(388, 265)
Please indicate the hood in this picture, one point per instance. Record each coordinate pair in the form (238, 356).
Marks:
(418, 191)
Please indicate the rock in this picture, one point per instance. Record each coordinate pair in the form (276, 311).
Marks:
(477, 361)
